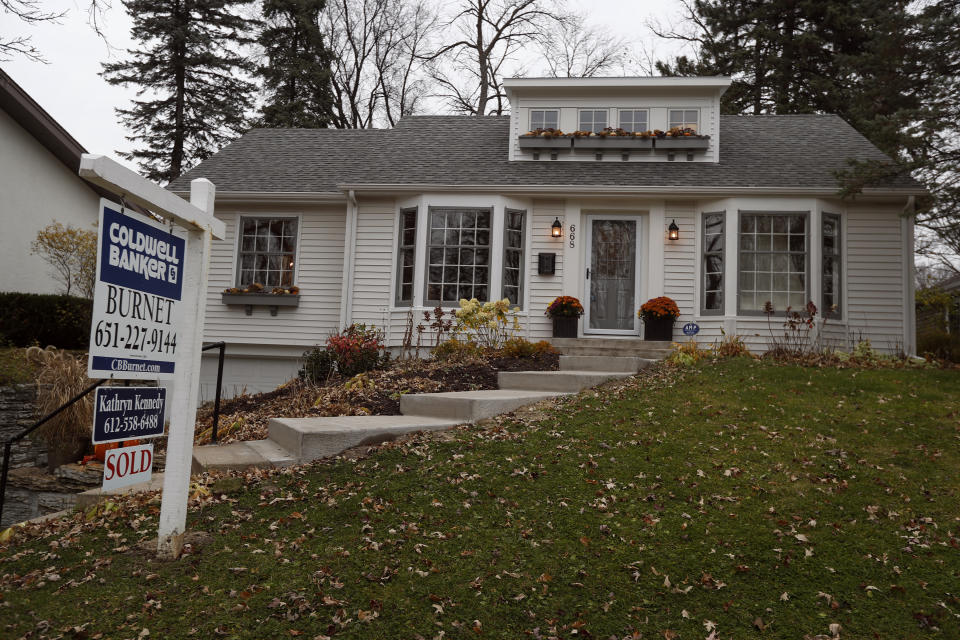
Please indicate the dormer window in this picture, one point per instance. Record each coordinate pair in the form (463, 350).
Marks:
(593, 120)
(634, 120)
(684, 119)
(544, 119)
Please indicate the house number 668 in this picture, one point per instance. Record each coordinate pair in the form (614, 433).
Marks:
(573, 236)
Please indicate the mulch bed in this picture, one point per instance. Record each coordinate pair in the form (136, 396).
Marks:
(373, 393)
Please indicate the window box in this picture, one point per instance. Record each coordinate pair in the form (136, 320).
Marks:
(595, 143)
(683, 142)
(544, 142)
(272, 300)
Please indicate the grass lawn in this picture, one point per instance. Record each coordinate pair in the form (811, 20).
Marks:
(734, 500)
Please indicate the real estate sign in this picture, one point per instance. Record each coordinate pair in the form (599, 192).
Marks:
(133, 335)
(126, 466)
(128, 413)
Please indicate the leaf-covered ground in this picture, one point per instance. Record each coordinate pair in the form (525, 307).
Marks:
(736, 500)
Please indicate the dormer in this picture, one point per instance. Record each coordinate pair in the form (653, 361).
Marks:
(615, 119)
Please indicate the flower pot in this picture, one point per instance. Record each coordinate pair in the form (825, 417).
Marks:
(565, 326)
(544, 142)
(658, 329)
(682, 142)
(612, 143)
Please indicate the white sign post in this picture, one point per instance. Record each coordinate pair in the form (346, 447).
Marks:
(197, 218)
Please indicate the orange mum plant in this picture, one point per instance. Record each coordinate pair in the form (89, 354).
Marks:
(658, 308)
(565, 307)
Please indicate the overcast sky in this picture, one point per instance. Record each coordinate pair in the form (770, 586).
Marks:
(71, 90)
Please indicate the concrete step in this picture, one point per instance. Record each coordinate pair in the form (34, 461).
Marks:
(615, 347)
(625, 342)
(313, 438)
(468, 406)
(569, 381)
(605, 363)
(611, 352)
(237, 456)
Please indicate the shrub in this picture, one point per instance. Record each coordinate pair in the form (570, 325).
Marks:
(687, 353)
(519, 347)
(454, 349)
(940, 345)
(318, 365)
(357, 348)
(60, 377)
(730, 346)
(488, 324)
(28, 319)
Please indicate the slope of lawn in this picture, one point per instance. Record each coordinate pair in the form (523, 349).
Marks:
(738, 499)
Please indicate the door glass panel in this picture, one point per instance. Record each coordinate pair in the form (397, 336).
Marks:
(613, 274)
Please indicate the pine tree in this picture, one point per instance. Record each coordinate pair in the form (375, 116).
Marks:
(297, 75)
(192, 95)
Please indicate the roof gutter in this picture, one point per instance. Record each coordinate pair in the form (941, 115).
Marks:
(349, 260)
(671, 191)
(275, 197)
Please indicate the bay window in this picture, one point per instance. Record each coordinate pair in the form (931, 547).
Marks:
(513, 246)
(831, 282)
(458, 255)
(714, 227)
(406, 256)
(773, 261)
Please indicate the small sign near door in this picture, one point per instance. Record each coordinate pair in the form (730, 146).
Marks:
(691, 329)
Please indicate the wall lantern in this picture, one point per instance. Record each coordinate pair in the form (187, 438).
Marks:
(673, 231)
(556, 230)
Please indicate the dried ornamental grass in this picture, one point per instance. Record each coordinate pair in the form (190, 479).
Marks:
(60, 377)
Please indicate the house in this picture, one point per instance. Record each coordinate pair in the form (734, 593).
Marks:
(372, 225)
(39, 185)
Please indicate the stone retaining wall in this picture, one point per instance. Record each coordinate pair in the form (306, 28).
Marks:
(16, 414)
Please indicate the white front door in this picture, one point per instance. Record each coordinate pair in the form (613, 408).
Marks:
(612, 274)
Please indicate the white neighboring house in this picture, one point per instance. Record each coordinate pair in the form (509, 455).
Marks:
(374, 224)
(38, 185)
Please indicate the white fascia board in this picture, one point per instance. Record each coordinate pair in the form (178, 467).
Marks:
(637, 82)
(133, 187)
(559, 190)
(277, 197)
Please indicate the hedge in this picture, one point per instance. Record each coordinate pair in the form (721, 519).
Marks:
(30, 318)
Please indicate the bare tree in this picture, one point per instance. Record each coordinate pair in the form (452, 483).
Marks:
(29, 12)
(492, 34)
(577, 50)
(379, 49)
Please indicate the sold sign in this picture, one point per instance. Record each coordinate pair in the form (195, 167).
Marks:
(126, 466)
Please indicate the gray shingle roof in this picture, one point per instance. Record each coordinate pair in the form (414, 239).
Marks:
(792, 151)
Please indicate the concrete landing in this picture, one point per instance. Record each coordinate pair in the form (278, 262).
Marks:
(612, 347)
(93, 496)
(564, 381)
(238, 456)
(313, 438)
(625, 364)
(469, 406)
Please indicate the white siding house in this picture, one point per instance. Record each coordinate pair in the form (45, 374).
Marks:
(394, 222)
(38, 185)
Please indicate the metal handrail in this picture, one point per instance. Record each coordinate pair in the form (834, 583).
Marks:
(8, 445)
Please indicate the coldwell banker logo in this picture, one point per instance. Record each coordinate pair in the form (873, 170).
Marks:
(140, 256)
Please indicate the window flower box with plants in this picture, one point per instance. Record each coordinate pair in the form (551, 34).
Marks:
(658, 315)
(565, 312)
(612, 139)
(678, 138)
(257, 295)
(545, 139)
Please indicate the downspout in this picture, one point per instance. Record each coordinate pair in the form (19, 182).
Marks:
(909, 284)
(349, 260)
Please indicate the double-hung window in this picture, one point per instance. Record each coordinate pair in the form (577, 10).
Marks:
(406, 256)
(268, 251)
(458, 252)
(593, 120)
(634, 120)
(714, 225)
(513, 244)
(773, 261)
(544, 119)
(831, 283)
(684, 119)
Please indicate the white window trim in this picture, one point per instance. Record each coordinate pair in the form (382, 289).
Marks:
(238, 227)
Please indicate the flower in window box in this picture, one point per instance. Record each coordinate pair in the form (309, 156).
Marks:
(255, 287)
(549, 132)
